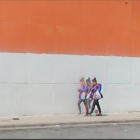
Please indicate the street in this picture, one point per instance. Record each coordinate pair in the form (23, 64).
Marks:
(93, 131)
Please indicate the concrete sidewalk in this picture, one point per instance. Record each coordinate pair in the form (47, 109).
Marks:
(68, 120)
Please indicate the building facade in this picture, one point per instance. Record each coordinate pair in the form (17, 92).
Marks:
(46, 46)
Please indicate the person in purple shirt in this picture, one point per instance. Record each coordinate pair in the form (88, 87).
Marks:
(94, 88)
(82, 96)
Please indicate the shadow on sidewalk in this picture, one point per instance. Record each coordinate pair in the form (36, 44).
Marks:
(101, 116)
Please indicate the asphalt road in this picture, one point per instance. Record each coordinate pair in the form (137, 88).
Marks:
(95, 132)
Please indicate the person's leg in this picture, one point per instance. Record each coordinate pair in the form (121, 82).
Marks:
(85, 103)
(99, 108)
(88, 102)
(93, 107)
(79, 106)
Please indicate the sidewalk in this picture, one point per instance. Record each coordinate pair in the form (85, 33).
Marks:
(68, 120)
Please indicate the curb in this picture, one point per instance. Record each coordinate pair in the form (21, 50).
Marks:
(65, 124)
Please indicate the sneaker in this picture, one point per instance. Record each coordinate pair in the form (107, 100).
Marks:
(89, 114)
(100, 114)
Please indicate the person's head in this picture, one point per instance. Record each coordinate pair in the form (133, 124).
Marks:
(88, 81)
(94, 81)
(82, 81)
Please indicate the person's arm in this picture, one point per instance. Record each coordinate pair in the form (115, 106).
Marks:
(80, 89)
(88, 90)
(91, 88)
(91, 93)
(99, 88)
(85, 89)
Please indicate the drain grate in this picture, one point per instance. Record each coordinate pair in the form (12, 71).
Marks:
(16, 119)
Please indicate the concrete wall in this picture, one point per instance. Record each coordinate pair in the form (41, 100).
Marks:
(46, 46)
(43, 84)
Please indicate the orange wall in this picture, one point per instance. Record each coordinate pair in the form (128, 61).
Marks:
(92, 27)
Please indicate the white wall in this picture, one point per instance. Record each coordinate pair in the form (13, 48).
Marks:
(43, 84)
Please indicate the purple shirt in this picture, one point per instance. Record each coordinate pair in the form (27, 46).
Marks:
(95, 88)
(81, 90)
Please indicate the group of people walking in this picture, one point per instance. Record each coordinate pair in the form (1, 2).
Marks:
(88, 92)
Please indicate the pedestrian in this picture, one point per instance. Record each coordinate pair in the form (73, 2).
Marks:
(82, 96)
(97, 95)
(88, 95)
